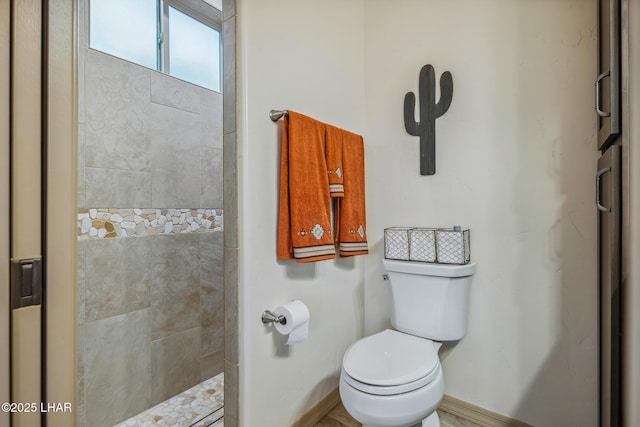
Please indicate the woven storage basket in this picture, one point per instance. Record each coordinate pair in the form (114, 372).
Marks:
(396, 243)
(439, 245)
(453, 246)
(422, 244)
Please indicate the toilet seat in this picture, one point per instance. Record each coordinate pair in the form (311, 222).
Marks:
(389, 390)
(390, 362)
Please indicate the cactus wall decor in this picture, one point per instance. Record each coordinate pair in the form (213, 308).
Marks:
(429, 112)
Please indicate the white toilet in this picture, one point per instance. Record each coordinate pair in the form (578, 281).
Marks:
(394, 378)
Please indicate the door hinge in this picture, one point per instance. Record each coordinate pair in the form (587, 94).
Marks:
(26, 282)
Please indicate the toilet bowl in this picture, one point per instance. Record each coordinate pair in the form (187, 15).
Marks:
(392, 379)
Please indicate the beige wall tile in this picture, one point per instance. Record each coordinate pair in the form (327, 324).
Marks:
(231, 393)
(173, 92)
(81, 416)
(211, 183)
(80, 364)
(212, 320)
(81, 264)
(211, 365)
(118, 372)
(175, 284)
(118, 277)
(80, 331)
(211, 115)
(231, 306)
(175, 157)
(117, 189)
(230, 190)
(83, 32)
(117, 113)
(82, 196)
(175, 364)
(211, 253)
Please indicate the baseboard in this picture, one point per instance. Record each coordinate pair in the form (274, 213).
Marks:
(477, 415)
(461, 409)
(322, 408)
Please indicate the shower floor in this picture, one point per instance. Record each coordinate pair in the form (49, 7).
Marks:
(200, 406)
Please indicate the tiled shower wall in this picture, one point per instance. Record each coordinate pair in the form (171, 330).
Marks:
(147, 140)
(151, 315)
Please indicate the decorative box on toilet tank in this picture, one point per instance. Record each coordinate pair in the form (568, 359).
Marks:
(440, 245)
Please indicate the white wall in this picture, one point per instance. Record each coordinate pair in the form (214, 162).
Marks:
(307, 56)
(515, 163)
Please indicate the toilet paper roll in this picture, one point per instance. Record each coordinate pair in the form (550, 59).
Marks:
(296, 314)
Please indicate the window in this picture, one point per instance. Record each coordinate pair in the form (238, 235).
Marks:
(127, 29)
(194, 50)
(178, 37)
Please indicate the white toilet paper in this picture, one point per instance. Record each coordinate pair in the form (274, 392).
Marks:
(297, 326)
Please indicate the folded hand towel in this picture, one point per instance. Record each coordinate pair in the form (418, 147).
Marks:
(351, 209)
(334, 138)
(304, 228)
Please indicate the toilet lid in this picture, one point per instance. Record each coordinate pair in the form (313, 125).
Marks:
(390, 358)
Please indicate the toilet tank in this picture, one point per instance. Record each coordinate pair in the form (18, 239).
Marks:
(430, 300)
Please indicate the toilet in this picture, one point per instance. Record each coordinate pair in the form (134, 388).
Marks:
(394, 378)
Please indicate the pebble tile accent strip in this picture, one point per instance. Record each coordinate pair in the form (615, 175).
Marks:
(108, 223)
(201, 405)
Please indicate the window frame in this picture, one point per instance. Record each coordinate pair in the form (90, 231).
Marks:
(198, 10)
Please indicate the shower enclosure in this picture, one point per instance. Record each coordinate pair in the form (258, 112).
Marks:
(150, 256)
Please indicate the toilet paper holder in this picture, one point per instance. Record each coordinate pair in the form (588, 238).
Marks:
(269, 316)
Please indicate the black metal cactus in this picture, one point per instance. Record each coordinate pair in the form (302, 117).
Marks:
(429, 112)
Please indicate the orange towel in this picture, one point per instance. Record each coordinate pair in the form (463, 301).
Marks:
(334, 138)
(351, 209)
(304, 228)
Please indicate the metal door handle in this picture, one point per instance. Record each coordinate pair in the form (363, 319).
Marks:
(598, 175)
(26, 281)
(598, 80)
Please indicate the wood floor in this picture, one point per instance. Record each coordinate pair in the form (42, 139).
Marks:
(339, 417)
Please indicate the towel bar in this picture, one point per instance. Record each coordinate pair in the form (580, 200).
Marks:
(276, 115)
